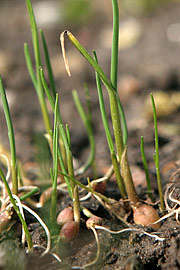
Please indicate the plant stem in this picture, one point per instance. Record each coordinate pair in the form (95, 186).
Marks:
(29, 64)
(115, 43)
(74, 187)
(114, 65)
(156, 156)
(23, 222)
(29, 194)
(44, 110)
(11, 138)
(116, 124)
(55, 166)
(89, 189)
(118, 175)
(61, 128)
(123, 121)
(39, 88)
(48, 65)
(126, 173)
(112, 93)
(113, 99)
(87, 56)
(103, 110)
(108, 135)
(86, 121)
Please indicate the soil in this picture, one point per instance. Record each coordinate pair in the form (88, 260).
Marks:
(151, 64)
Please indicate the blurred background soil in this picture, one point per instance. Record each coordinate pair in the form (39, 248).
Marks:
(149, 61)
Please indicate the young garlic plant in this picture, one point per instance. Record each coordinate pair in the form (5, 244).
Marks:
(143, 214)
(119, 159)
(10, 202)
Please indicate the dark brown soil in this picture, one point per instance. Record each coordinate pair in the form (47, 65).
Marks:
(152, 64)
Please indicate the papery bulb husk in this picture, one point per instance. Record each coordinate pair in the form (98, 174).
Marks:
(65, 215)
(5, 219)
(146, 215)
(69, 231)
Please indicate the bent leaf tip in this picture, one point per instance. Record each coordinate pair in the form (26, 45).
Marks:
(64, 52)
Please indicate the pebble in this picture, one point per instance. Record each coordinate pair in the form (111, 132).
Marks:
(173, 32)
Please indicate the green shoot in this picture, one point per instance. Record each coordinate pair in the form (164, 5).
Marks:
(156, 155)
(29, 65)
(128, 181)
(108, 135)
(89, 189)
(48, 65)
(115, 43)
(74, 187)
(111, 91)
(103, 110)
(11, 138)
(52, 103)
(89, 115)
(123, 121)
(36, 81)
(87, 56)
(34, 35)
(55, 167)
(149, 189)
(51, 99)
(86, 121)
(114, 65)
(73, 191)
(29, 194)
(29, 241)
(68, 134)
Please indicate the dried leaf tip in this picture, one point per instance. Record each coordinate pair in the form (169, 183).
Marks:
(64, 52)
